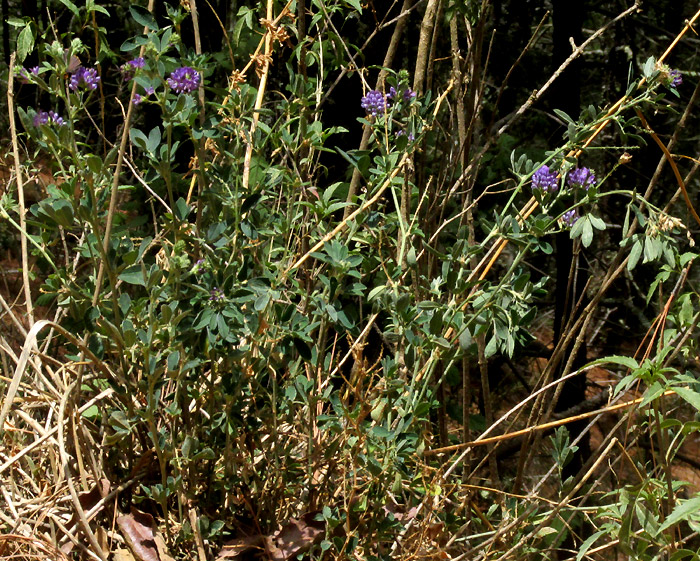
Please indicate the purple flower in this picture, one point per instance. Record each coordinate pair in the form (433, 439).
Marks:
(216, 295)
(184, 80)
(392, 92)
(545, 180)
(136, 99)
(24, 76)
(569, 218)
(129, 68)
(199, 267)
(374, 102)
(150, 91)
(676, 78)
(408, 95)
(41, 118)
(581, 177)
(48, 117)
(85, 77)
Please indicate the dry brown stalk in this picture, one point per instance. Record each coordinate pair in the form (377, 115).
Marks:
(20, 195)
(539, 428)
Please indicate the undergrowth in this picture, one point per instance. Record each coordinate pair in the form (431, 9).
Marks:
(228, 332)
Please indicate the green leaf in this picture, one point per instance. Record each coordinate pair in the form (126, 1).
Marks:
(25, 43)
(689, 395)
(626, 361)
(135, 43)
(100, 9)
(375, 292)
(587, 235)
(250, 202)
(261, 302)
(72, 7)
(16, 22)
(143, 16)
(597, 223)
(187, 446)
(652, 249)
(577, 228)
(302, 348)
(585, 546)
(653, 391)
(92, 412)
(138, 138)
(683, 554)
(465, 339)
(649, 67)
(491, 347)
(153, 140)
(635, 254)
(683, 511)
(381, 432)
(133, 275)
(182, 209)
(411, 257)
(173, 361)
(563, 116)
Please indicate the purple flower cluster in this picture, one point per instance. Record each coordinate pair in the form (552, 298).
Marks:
(675, 78)
(374, 102)
(85, 77)
(46, 117)
(130, 68)
(184, 80)
(570, 217)
(545, 180)
(216, 295)
(408, 94)
(199, 267)
(582, 178)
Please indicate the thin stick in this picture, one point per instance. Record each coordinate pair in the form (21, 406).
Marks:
(20, 194)
(69, 480)
(671, 162)
(538, 428)
(115, 183)
(258, 101)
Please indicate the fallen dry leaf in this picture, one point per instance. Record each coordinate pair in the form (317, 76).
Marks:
(138, 531)
(297, 536)
(398, 511)
(88, 500)
(239, 546)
